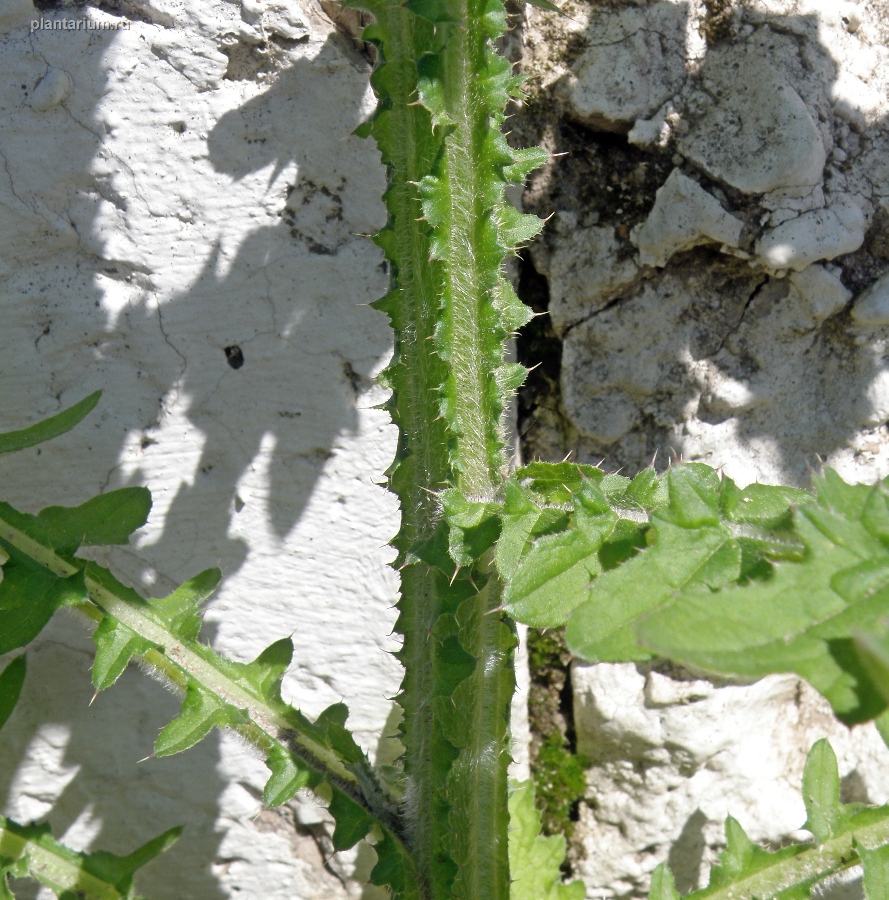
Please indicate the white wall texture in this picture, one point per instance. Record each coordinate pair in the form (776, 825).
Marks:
(181, 191)
(180, 186)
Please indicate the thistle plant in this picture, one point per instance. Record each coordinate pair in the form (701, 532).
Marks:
(685, 565)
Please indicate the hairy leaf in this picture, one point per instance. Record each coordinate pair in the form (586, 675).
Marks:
(803, 618)
(534, 860)
(558, 571)
(843, 835)
(31, 851)
(690, 525)
(48, 428)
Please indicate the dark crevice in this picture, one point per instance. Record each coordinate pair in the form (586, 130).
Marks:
(542, 425)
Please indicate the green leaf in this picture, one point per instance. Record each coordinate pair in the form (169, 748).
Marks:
(36, 582)
(602, 629)
(11, 680)
(821, 792)
(31, 851)
(534, 860)
(11, 441)
(876, 871)
(181, 610)
(201, 712)
(663, 885)
(558, 571)
(473, 526)
(554, 483)
(803, 618)
(873, 652)
(704, 532)
(107, 519)
(287, 777)
(516, 228)
(544, 4)
(525, 162)
(115, 647)
(29, 596)
(513, 313)
(352, 822)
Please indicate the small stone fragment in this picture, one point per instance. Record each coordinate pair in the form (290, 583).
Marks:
(656, 131)
(820, 234)
(684, 215)
(872, 307)
(54, 88)
(822, 290)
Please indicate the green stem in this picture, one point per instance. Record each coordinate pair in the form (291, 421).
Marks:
(806, 868)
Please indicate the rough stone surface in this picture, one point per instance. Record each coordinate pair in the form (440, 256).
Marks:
(759, 354)
(684, 215)
(672, 757)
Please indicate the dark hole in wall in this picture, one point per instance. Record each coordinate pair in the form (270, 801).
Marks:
(234, 356)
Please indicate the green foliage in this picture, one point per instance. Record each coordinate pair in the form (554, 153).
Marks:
(535, 861)
(29, 851)
(38, 572)
(49, 428)
(442, 90)
(163, 631)
(803, 617)
(844, 834)
(729, 581)
(687, 565)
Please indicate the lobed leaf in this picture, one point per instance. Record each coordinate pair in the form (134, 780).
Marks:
(534, 860)
(31, 851)
(804, 617)
(664, 535)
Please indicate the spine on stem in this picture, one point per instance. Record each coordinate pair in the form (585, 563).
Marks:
(442, 89)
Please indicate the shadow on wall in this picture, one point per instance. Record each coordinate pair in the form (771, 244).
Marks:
(691, 350)
(263, 349)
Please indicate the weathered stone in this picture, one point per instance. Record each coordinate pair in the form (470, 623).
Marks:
(632, 67)
(872, 307)
(822, 290)
(756, 134)
(587, 269)
(684, 215)
(673, 756)
(813, 236)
